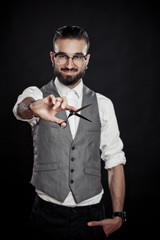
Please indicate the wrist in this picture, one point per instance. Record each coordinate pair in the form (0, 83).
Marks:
(30, 109)
(120, 215)
(22, 108)
(118, 220)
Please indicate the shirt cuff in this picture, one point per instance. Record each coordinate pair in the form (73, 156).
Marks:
(115, 161)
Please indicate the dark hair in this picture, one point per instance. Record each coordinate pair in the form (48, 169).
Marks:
(71, 32)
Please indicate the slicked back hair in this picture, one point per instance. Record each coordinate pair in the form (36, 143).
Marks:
(71, 32)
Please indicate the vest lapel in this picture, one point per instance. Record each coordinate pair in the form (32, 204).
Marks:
(85, 101)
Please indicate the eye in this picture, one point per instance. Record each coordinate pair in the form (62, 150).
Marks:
(62, 56)
(77, 57)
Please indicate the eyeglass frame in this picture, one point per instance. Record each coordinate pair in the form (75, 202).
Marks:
(61, 53)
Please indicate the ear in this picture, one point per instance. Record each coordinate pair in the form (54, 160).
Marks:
(52, 57)
(87, 60)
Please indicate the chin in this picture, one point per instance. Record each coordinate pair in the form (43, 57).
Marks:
(69, 80)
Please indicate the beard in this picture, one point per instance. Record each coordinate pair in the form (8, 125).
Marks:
(69, 80)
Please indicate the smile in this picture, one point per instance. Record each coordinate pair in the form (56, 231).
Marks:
(69, 71)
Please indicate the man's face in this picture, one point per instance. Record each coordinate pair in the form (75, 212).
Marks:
(66, 69)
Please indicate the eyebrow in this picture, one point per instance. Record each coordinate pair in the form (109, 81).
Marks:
(78, 53)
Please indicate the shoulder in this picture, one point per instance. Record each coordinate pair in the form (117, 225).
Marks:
(104, 101)
(106, 107)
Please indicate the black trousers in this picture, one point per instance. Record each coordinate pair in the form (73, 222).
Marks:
(51, 221)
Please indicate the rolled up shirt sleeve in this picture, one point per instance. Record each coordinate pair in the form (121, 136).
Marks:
(33, 92)
(111, 144)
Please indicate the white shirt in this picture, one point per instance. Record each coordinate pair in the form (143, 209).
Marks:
(111, 145)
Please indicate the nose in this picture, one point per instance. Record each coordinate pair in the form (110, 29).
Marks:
(70, 63)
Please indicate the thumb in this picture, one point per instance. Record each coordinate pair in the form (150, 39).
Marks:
(59, 121)
(95, 223)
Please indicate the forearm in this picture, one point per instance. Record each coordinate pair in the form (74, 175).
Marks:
(116, 182)
(117, 189)
(22, 109)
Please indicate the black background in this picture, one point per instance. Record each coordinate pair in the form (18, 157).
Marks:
(124, 66)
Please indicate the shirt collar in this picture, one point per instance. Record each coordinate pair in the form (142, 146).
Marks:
(64, 90)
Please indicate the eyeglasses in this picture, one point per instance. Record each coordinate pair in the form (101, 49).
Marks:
(62, 59)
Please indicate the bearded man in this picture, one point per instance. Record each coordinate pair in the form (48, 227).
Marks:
(67, 160)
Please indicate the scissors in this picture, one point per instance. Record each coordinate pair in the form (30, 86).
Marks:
(76, 114)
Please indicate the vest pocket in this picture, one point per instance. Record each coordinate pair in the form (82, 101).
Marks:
(92, 171)
(45, 167)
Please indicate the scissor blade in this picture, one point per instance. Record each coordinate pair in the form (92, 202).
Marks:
(82, 117)
(82, 108)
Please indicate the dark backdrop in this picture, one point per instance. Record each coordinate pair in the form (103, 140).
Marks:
(124, 66)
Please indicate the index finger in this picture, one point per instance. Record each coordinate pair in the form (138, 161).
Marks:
(64, 103)
(71, 108)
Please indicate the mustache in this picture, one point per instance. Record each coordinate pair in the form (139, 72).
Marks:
(71, 69)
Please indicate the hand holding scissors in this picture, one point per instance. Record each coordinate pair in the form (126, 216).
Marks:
(48, 107)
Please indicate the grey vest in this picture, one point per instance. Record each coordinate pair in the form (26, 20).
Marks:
(63, 164)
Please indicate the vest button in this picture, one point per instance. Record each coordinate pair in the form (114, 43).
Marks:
(72, 181)
(73, 147)
(72, 159)
(72, 170)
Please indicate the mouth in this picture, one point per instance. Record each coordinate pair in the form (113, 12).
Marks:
(68, 71)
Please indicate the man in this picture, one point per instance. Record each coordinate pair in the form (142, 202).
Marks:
(66, 171)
